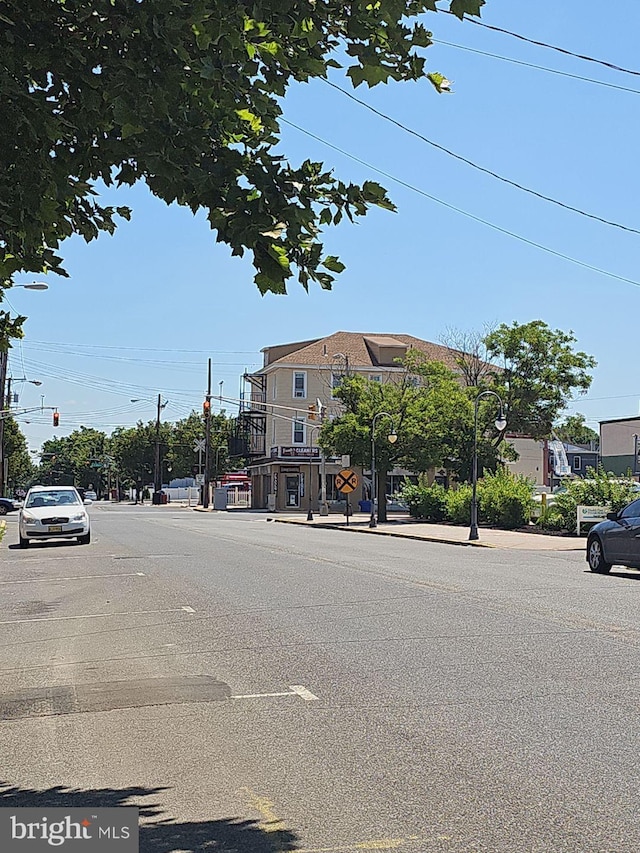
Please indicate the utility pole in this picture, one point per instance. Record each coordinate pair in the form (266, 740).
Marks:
(324, 506)
(4, 356)
(207, 440)
(157, 470)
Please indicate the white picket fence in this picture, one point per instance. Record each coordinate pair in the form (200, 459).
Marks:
(238, 498)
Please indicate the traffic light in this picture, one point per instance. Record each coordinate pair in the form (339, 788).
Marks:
(312, 412)
(56, 419)
(206, 407)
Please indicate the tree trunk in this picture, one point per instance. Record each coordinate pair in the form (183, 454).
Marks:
(381, 494)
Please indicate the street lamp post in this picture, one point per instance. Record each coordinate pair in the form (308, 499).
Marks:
(310, 512)
(157, 464)
(34, 285)
(501, 423)
(392, 438)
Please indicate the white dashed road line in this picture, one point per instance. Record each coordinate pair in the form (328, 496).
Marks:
(96, 616)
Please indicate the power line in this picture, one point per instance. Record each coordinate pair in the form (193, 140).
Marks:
(544, 44)
(482, 168)
(64, 345)
(464, 212)
(537, 67)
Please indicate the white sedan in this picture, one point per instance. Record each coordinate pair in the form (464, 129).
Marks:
(54, 512)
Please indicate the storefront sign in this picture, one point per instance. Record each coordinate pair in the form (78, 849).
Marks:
(296, 452)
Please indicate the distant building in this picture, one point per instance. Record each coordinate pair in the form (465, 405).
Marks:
(581, 458)
(619, 444)
(279, 422)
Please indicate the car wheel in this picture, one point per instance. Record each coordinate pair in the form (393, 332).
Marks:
(3, 509)
(595, 556)
(84, 540)
(24, 543)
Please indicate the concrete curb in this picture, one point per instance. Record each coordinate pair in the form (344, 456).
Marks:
(377, 532)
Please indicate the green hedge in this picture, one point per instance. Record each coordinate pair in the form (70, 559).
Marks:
(599, 488)
(424, 501)
(504, 500)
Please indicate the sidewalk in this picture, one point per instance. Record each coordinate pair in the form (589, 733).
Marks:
(405, 528)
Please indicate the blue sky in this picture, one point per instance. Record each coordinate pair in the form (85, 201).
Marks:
(143, 310)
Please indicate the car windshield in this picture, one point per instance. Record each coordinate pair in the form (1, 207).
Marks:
(53, 497)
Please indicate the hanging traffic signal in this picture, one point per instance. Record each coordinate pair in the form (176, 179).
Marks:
(312, 413)
(56, 419)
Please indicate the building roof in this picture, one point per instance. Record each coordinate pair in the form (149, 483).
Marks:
(362, 349)
(576, 448)
(621, 420)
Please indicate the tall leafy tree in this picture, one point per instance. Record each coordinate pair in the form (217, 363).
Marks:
(20, 465)
(430, 411)
(77, 459)
(574, 430)
(539, 372)
(185, 432)
(186, 96)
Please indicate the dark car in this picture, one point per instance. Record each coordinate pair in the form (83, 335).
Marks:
(616, 541)
(6, 506)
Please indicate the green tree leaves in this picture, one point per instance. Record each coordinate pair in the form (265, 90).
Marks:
(185, 96)
(539, 373)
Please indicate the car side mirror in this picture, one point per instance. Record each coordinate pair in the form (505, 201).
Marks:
(86, 501)
(612, 516)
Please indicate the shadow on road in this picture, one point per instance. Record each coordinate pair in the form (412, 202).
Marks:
(41, 546)
(158, 834)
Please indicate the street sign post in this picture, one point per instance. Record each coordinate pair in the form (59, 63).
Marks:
(347, 482)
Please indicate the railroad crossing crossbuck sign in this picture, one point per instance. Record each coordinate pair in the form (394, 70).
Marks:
(346, 481)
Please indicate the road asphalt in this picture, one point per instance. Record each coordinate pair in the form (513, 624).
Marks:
(258, 687)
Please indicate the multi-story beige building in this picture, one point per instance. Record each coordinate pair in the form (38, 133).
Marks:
(278, 413)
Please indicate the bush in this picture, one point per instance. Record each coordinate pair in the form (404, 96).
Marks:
(424, 501)
(459, 505)
(597, 489)
(504, 499)
(3, 530)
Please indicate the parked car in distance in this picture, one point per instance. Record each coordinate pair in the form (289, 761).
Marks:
(90, 496)
(53, 512)
(7, 505)
(615, 541)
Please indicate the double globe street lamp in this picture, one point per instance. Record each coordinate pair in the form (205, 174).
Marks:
(500, 423)
(391, 438)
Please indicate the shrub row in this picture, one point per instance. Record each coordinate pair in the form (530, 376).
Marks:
(597, 489)
(504, 500)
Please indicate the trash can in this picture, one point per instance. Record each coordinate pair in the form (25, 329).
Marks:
(365, 506)
(164, 498)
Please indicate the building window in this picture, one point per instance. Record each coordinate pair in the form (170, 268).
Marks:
(275, 393)
(300, 386)
(273, 431)
(336, 380)
(577, 463)
(376, 378)
(298, 431)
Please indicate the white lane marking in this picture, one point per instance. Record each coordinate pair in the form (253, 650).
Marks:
(91, 616)
(303, 693)
(260, 695)
(294, 690)
(75, 578)
(188, 609)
